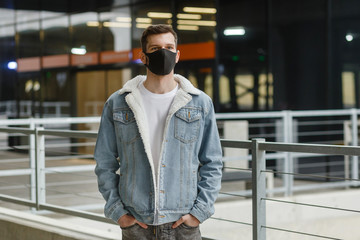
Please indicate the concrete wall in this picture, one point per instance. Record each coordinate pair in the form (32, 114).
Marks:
(16, 225)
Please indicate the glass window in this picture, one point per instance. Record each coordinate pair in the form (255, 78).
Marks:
(242, 41)
(345, 46)
(84, 35)
(27, 16)
(298, 42)
(55, 34)
(116, 29)
(7, 56)
(7, 17)
(158, 12)
(28, 29)
(196, 21)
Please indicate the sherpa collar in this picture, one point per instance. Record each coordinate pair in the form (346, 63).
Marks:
(185, 84)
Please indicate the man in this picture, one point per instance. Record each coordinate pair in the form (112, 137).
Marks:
(161, 133)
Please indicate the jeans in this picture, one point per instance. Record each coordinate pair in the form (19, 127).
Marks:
(161, 232)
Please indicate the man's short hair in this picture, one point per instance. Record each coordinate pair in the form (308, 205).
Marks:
(156, 29)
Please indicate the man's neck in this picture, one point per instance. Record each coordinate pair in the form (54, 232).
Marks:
(160, 84)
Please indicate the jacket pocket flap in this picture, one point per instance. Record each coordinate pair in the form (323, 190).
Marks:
(124, 116)
(189, 114)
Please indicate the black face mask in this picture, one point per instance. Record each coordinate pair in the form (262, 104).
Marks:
(161, 62)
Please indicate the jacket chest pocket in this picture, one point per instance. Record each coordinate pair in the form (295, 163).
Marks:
(125, 124)
(187, 124)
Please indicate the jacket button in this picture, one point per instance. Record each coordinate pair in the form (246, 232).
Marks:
(162, 191)
(164, 165)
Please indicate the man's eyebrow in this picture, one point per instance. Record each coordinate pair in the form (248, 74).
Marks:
(158, 45)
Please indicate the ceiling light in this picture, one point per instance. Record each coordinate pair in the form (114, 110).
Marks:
(349, 37)
(142, 25)
(188, 27)
(79, 51)
(234, 31)
(36, 86)
(200, 10)
(28, 86)
(92, 24)
(143, 20)
(117, 24)
(12, 65)
(188, 16)
(159, 15)
(123, 19)
(199, 23)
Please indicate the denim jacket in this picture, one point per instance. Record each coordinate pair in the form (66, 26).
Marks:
(190, 166)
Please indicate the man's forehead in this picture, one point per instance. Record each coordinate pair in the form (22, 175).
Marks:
(163, 38)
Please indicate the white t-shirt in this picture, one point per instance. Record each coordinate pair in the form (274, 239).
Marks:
(156, 108)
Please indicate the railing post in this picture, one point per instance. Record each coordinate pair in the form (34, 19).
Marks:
(354, 136)
(258, 190)
(288, 161)
(40, 167)
(32, 155)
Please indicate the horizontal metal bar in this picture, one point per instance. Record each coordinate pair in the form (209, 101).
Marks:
(235, 144)
(16, 200)
(245, 116)
(15, 172)
(232, 221)
(310, 148)
(71, 183)
(67, 157)
(321, 113)
(25, 131)
(11, 122)
(69, 133)
(54, 120)
(70, 120)
(312, 205)
(80, 168)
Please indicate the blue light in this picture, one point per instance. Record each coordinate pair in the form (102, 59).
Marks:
(138, 61)
(12, 65)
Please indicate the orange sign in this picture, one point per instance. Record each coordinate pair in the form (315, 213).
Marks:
(28, 64)
(136, 53)
(190, 51)
(114, 57)
(87, 59)
(197, 51)
(55, 61)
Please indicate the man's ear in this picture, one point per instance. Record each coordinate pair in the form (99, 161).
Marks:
(143, 58)
(177, 56)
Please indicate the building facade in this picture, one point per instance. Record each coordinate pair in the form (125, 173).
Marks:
(248, 55)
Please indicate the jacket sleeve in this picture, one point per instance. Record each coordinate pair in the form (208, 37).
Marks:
(210, 172)
(107, 165)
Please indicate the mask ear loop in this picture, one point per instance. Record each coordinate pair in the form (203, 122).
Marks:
(147, 60)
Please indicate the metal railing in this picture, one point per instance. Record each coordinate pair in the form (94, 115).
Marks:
(337, 127)
(285, 155)
(258, 147)
(49, 109)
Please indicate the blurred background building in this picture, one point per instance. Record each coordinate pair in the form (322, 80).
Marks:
(248, 55)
